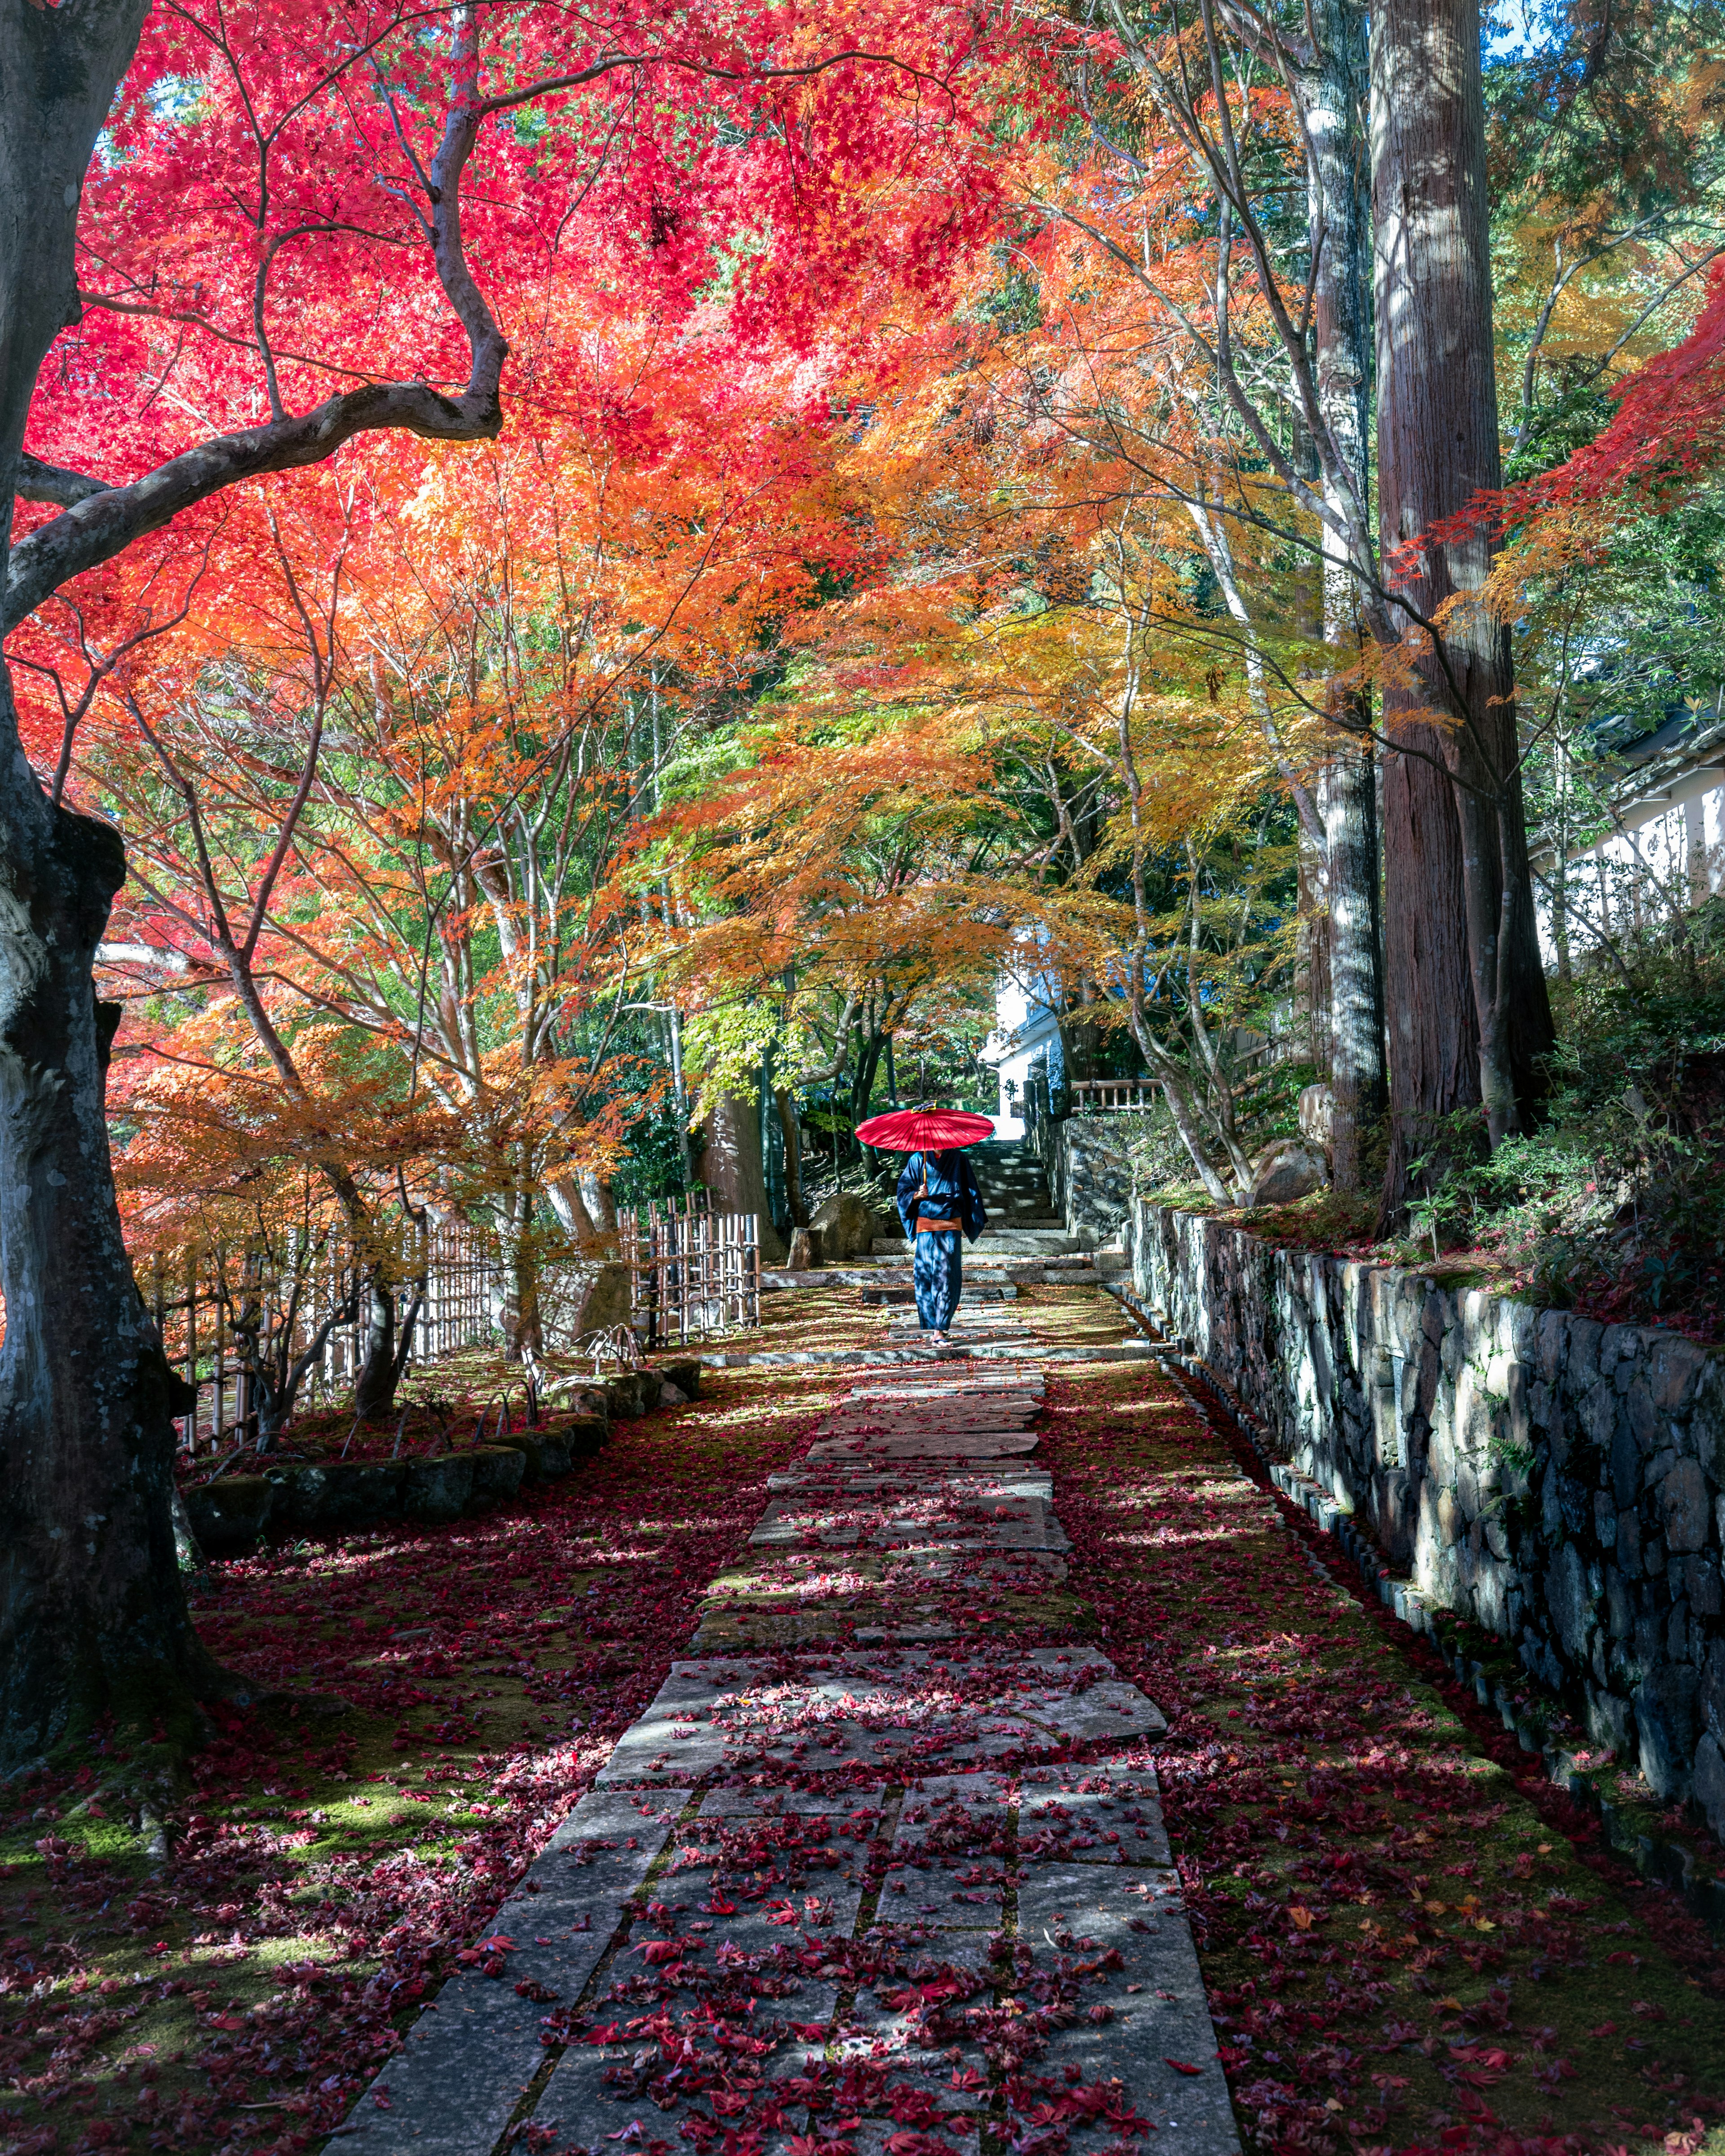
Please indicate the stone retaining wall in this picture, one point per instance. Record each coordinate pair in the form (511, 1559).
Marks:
(1558, 1482)
(1089, 1175)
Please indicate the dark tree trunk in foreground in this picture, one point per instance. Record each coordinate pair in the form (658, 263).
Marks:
(1469, 1014)
(92, 1619)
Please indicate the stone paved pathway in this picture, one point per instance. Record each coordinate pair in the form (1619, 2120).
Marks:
(850, 1877)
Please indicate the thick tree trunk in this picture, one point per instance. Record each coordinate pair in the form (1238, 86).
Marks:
(1434, 1032)
(1469, 1015)
(516, 1309)
(570, 1207)
(93, 1621)
(731, 1168)
(374, 1392)
(596, 1195)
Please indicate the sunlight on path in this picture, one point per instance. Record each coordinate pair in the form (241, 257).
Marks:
(881, 1866)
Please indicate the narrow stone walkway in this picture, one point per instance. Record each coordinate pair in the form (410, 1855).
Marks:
(882, 1863)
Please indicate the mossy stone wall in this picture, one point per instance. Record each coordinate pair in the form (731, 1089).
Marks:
(1559, 1481)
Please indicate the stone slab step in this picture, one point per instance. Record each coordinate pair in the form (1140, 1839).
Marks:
(1128, 1351)
(817, 1527)
(958, 1445)
(802, 1358)
(992, 1242)
(874, 1480)
(962, 1385)
(956, 1410)
(736, 1714)
(868, 1272)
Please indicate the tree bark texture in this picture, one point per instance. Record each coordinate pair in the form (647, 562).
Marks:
(596, 1195)
(731, 1167)
(862, 1080)
(786, 1106)
(1349, 793)
(92, 1618)
(374, 1392)
(1469, 1014)
(1334, 95)
(93, 1621)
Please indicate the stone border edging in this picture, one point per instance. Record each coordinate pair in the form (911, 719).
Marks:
(1554, 1480)
(232, 1514)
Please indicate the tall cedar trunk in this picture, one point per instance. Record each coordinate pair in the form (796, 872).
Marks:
(1434, 1033)
(1340, 225)
(1469, 1014)
(92, 1618)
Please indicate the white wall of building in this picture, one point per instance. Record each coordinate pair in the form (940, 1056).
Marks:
(1026, 1036)
(1669, 849)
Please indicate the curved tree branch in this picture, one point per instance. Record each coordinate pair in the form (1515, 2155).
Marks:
(107, 521)
(37, 481)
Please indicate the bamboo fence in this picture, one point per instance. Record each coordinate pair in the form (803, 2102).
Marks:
(692, 1273)
(191, 1316)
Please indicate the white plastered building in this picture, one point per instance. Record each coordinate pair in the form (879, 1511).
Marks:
(1025, 1042)
(1666, 847)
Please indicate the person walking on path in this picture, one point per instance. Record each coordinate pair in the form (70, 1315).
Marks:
(939, 1204)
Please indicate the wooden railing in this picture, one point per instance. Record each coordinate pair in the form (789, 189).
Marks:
(1093, 1096)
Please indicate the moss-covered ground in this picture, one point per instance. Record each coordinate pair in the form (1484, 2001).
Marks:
(1410, 1938)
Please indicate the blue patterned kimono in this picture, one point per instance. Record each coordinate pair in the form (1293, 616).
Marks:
(938, 1268)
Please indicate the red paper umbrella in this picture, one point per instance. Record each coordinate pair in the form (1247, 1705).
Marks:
(924, 1130)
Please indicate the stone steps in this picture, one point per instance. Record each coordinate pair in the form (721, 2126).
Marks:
(1026, 1241)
